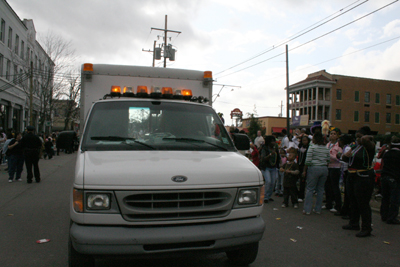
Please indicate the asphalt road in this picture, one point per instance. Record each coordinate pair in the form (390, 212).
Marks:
(30, 212)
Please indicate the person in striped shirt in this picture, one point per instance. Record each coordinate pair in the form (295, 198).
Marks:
(316, 167)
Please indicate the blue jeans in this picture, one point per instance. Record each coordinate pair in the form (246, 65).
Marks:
(316, 178)
(279, 183)
(15, 165)
(270, 175)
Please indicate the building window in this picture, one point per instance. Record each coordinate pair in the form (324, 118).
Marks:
(338, 94)
(388, 117)
(1, 64)
(9, 37)
(376, 117)
(397, 119)
(338, 114)
(366, 97)
(2, 30)
(15, 74)
(16, 50)
(355, 116)
(8, 69)
(366, 116)
(357, 96)
(388, 99)
(22, 49)
(397, 100)
(377, 98)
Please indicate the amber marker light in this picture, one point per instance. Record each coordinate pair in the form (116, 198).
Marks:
(87, 67)
(207, 75)
(142, 91)
(167, 92)
(187, 94)
(115, 90)
(78, 200)
(262, 195)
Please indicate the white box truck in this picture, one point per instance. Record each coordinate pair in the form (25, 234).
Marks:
(157, 172)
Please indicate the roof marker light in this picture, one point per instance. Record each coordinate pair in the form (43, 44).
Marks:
(187, 94)
(88, 67)
(167, 92)
(115, 90)
(142, 91)
(155, 92)
(128, 91)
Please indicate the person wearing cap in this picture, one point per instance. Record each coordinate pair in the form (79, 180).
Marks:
(390, 181)
(31, 144)
(360, 181)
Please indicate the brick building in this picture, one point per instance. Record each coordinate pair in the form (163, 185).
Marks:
(347, 102)
(270, 123)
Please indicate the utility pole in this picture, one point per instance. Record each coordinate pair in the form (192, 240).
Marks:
(152, 51)
(31, 96)
(287, 91)
(281, 108)
(165, 30)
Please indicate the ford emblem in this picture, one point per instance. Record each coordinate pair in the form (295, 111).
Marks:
(179, 179)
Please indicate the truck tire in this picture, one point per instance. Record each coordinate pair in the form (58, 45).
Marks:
(76, 259)
(243, 256)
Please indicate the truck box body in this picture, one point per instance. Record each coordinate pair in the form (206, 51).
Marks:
(158, 174)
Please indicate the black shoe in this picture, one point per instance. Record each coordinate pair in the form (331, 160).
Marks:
(29, 181)
(338, 214)
(38, 180)
(350, 227)
(346, 217)
(271, 199)
(363, 233)
(266, 201)
(395, 221)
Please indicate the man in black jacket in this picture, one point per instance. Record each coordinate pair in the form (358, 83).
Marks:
(31, 144)
(391, 183)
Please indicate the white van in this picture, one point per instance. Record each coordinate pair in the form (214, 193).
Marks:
(157, 172)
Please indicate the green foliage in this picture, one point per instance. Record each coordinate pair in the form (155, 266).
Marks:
(254, 127)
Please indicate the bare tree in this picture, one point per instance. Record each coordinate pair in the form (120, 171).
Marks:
(71, 97)
(63, 55)
(48, 74)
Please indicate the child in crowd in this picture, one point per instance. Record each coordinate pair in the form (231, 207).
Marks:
(291, 175)
(279, 181)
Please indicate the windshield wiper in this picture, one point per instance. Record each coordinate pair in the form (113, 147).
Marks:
(184, 139)
(139, 142)
(111, 138)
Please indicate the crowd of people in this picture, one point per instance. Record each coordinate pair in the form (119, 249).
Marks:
(19, 148)
(310, 167)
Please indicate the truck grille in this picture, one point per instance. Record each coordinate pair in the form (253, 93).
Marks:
(173, 205)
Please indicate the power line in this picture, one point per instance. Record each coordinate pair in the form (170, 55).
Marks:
(323, 35)
(298, 34)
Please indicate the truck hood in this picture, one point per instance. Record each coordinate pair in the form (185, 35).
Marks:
(155, 169)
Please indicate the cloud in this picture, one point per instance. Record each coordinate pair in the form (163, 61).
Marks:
(392, 28)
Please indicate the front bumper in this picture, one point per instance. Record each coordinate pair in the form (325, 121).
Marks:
(128, 240)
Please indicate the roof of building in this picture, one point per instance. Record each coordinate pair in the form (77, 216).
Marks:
(315, 78)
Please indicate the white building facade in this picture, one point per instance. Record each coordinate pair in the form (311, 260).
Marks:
(24, 68)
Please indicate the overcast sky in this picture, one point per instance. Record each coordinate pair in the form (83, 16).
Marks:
(217, 35)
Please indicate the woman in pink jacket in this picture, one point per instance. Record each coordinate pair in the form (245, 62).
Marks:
(332, 190)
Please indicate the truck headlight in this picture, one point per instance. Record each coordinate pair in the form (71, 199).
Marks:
(247, 196)
(98, 201)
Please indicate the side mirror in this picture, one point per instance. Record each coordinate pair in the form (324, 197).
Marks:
(242, 141)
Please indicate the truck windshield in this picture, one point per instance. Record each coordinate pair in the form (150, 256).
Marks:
(154, 125)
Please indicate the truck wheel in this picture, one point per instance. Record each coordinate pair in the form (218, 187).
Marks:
(76, 259)
(243, 256)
